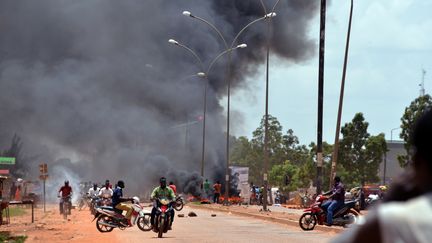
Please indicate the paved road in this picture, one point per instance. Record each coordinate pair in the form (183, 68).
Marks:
(224, 228)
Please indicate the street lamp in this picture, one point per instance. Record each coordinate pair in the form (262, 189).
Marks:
(266, 16)
(385, 155)
(204, 75)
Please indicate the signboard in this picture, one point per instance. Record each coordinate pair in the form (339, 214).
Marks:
(4, 172)
(240, 178)
(7, 160)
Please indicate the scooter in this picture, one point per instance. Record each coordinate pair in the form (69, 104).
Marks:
(315, 214)
(107, 219)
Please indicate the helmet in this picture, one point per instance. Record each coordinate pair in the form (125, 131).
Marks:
(66, 182)
(120, 184)
(136, 200)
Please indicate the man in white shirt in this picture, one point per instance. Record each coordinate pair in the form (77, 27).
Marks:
(94, 191)
(106, 191)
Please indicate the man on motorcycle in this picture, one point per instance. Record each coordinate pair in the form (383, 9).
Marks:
(106, 191)
(162, 192)
(336, 199)
(118, 205)
(64, 192)
(93, 191)
(173, 187)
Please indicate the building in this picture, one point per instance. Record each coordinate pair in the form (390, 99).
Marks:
(390, 161)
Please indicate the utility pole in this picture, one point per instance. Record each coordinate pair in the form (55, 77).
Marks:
(336, 143)
(320, 96)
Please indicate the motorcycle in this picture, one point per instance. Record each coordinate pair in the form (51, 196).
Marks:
(66, 206)
(315, 214)
(179, 203)
(107, 219)
(163, 217)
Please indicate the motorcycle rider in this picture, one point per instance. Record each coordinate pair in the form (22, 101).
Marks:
(119, 206)
(337, 199)
(173, 187)
(64, 192)
(161, 192)
(93, 191)
(106, 191)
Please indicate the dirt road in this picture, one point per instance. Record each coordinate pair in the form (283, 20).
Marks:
(225, 227)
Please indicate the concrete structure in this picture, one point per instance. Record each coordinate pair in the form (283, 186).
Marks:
(393, 168)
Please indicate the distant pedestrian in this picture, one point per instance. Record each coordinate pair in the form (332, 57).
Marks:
(206, 187)
(217, 191)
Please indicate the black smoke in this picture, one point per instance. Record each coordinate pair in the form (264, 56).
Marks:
(97, 82)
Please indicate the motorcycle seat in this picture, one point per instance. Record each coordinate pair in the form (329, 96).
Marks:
(350, 203)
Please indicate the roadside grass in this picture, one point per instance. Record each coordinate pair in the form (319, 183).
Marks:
(15, 211)
(6, 237)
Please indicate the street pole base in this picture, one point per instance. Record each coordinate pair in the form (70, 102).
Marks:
(265, 210)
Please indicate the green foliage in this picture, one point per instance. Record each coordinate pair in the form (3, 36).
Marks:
(6, 237)
(409, 118)
(360, 154)
(277, 176)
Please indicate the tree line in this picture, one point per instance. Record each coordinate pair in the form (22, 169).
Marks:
(293, 165)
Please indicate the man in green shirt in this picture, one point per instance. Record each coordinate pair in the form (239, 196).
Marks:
(206, 186)
(161, 192)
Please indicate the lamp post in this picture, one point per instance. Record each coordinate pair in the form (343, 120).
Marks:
(204, 75)
(266, 16)
(385, 155)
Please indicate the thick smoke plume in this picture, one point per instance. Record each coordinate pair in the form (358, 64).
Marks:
(97, 84)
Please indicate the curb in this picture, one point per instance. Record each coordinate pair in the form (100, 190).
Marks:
(268, 218)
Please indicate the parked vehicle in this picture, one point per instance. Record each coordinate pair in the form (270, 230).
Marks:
(107, 219)
(316, 215)
(163, 217)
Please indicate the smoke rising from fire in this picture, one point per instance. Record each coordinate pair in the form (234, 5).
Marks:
(96, 82)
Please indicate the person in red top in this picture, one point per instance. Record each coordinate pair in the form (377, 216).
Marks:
(217, 191)
(65, 193)
(173, 187)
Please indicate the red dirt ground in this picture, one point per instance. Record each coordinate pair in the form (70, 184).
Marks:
(51, 227)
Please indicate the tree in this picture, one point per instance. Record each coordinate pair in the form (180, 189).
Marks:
(274, 141)
(360, 154)
(278, 174)
(409, 118)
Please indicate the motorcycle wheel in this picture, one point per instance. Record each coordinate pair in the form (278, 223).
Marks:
(161, 227)
(354, 215)
(307, 221)
(143, 223)
(179, 205)
(65, 210)
(104, 228)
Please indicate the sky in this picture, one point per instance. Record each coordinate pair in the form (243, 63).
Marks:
(389, 47)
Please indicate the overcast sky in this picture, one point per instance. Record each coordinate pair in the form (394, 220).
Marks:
(390, 45)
